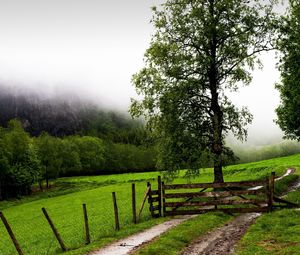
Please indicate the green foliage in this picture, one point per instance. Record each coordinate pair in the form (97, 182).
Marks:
(289, 44)
(254, 153)
(20, 166)
(123, 157)
(201, 49)
(4, 167)
(17, 142)
(50, 156)
(113, 126)
(35, 236)
(91, 152)
(70, 157)
(25, 160)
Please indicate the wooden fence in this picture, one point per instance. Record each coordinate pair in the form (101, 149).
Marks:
(85, 220)
(229, 197)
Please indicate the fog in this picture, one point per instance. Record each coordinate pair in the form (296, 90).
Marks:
(262, 99)
(91, 48)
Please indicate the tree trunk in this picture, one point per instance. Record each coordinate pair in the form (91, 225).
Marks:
(218, 173)
(0, 191)
(41, 185)
(217, 145)
(217, 114)
(47, 183)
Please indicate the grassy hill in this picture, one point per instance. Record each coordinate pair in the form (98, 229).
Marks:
(64, 205)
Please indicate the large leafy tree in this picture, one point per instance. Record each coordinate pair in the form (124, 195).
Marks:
(19, 164)
(49, 152)
(288, 111)
(91, 151)
(201, 49)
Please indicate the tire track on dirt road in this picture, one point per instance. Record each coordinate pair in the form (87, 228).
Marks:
(223, 240)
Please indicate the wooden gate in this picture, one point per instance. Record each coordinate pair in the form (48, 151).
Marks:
(228, 197)
(155, 199)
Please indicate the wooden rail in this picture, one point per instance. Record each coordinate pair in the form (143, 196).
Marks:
(216, 202)
(214, 194)
(225, 210)
(155, 199)
(215, 185)
(228, 197)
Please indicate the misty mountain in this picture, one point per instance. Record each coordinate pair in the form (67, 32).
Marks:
(63, 115)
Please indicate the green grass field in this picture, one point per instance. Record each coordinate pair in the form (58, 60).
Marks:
(275, 233)
(64, 205)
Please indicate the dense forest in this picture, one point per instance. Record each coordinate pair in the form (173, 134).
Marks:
(25, 160)
(42, 139)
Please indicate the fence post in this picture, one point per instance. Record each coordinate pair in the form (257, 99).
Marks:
(134, 218)
(11, 234)
(150, 199)
(271, 190)
(268, 192)
(163, 199)
(273, 183)
(57, 235)
(159, 195)
(86, 225)
(143, 202)
(117, 223)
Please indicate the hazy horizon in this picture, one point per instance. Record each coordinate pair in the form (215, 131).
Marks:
(92, 48)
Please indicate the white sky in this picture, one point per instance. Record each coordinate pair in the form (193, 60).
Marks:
(93, 47)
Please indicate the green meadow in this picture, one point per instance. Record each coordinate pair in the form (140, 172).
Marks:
(64, 205)
(275, 233)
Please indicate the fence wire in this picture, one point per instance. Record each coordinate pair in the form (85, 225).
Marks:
(36, 237)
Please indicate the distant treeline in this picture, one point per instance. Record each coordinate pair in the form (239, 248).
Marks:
(252, 154)
(25, 160)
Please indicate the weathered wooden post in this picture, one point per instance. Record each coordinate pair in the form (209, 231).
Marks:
(11, 234)
(86, 225)
(143, 202)
(163, 199)
(150, 199)
(134, 218)
(271, 190)
(159, 195)
(268, 192)
(117, 223)
(57, 235)
(273, 182)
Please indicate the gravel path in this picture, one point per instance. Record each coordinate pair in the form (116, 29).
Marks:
(127, 245)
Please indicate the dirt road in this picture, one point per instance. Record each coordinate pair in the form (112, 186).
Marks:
(223, 240)
(127, 245)
(218, 242)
